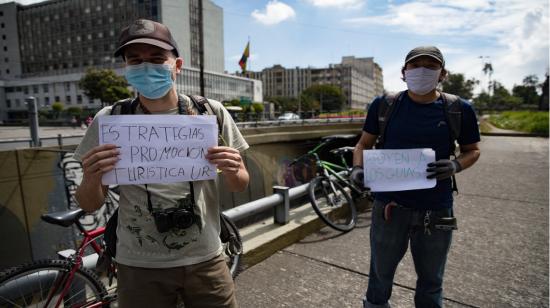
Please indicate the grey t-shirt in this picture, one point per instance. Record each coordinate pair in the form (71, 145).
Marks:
(139, 243)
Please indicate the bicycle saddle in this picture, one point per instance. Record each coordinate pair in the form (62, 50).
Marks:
(341, 150)
(64, 218)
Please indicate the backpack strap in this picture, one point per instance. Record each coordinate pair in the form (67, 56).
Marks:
(453, 116)
(203, 105)
(385, 111)
(452, 107)
(125, 106)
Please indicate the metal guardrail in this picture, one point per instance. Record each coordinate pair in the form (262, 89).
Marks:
(280, 200)
(271, 123)
(299, 122)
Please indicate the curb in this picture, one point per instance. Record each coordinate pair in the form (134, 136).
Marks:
(264, 238)
(513, 134)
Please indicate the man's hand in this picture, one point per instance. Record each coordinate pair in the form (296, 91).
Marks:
(90, 194)
(99, 160)
(230, 163)
(226, 159)
(443, 169)
(357, 175)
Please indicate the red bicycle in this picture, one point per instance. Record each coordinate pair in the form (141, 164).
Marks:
(66, 282)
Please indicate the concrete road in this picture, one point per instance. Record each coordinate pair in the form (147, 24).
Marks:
(499, 255)
(9, 135)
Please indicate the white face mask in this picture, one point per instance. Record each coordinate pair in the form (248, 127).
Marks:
(422, 80)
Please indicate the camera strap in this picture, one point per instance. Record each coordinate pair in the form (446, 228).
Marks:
(181, 111)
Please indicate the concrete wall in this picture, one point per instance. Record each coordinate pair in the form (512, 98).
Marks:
(32, 183)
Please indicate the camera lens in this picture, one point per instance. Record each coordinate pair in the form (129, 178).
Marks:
(183, 219)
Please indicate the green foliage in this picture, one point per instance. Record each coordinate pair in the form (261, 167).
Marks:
(74, 111)
(528, 90)
(526, 121)
(329, 97)
(456, 84)
(105, 85)
(258, 107)
(284, 103)
(57, 107)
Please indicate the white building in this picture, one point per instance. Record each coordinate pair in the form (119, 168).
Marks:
(46, 48)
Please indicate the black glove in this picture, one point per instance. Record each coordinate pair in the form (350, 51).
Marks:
(357, 175)
(443, 169)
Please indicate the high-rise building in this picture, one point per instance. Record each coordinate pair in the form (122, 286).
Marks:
(360, 79)
(46, 47)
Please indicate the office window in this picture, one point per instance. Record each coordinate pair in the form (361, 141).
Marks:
(8, 103)
(47, 100)
(68, 99)
(57, 98)
(17, 102)
(67, 86)
(34, 89)
(79, 99)
(26, 90)
(45, 88)
(4, 37)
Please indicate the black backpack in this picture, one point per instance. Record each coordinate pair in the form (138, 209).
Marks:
(453, 116)
(128, 106)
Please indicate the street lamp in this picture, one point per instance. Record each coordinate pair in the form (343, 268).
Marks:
(33, 120)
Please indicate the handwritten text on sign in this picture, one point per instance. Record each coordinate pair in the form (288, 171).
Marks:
(397, 170)
(159, 148)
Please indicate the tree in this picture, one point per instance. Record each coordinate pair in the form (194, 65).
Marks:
(502, 99)
(330, 97)
(528, 90)
(57, 107)
(74, 111)
(457, 85)
(284, 103)
(543, 102)
(258, 107)
(105, 85)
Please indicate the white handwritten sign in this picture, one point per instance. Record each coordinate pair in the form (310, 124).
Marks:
(159, 148)
(397, 170)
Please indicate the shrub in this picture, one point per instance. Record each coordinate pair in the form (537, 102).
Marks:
(525, 121)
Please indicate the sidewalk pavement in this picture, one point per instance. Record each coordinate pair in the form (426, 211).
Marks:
(499, 255)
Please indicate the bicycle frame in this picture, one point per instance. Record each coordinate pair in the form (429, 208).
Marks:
(76, 261)
(331, 169)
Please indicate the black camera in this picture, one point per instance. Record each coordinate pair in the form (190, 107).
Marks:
(181, 217)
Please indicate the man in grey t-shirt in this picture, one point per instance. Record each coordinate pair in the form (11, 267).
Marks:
(155, 268)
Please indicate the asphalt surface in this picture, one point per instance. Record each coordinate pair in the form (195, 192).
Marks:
(499, 255)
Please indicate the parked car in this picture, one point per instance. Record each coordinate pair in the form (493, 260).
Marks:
(288, 116)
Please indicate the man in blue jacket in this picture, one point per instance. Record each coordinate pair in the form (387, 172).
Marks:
(423, 217)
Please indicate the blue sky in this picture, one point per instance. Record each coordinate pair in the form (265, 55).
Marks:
(511, 34)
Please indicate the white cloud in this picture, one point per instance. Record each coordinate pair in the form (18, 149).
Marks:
(518, 29)
(340, 4)
(274, 13)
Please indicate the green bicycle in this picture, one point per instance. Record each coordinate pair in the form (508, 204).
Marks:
(328, 191)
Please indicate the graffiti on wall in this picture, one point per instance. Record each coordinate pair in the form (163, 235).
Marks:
(72, 176)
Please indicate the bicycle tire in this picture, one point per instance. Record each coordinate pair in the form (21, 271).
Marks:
(335, 208)
(233, 256)
(30, 284)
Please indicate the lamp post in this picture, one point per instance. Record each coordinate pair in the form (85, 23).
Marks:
(33, 120)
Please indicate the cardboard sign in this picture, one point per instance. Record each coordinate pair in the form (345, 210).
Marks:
(397, 170)
(159, 148)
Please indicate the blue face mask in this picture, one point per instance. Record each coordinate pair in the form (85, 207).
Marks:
(151, 80)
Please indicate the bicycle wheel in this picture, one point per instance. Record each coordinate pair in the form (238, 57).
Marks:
(39, 284)
(332, 203)
(232, 250)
